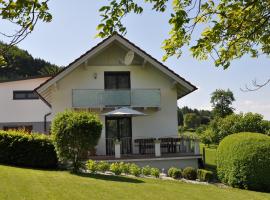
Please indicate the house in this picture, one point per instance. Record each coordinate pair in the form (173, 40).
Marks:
(21, 107)
(135, 97)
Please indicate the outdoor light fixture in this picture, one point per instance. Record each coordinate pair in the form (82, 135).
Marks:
(95, 75)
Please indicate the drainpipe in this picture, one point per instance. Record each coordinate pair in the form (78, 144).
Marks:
(45, 121)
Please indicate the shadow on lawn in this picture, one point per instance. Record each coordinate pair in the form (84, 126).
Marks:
(110, 178)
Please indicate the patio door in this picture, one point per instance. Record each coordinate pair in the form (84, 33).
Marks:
(118, 128)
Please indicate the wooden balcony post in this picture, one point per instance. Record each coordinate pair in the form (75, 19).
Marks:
(196, 147)
(117, 149)
(157, 148)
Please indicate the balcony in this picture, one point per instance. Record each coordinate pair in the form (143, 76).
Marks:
(91, 98)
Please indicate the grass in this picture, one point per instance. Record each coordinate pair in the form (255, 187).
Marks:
(29, 184)
(210, 155)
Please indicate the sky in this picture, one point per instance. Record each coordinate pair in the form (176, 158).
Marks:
(73, 30)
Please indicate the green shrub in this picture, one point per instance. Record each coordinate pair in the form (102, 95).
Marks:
(135, 170)
(146, 171)
(27, 150)
(243, 161)
(189, 173)
(205, 175)
(74, 134)
(116, 168)
(155, 172)
(219, 128)
(175, 173)
(92, 166)
(103, 166)
(125, 167)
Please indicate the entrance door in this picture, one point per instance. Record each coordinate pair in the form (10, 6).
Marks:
(118, 128)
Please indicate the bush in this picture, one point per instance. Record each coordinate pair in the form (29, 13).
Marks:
(125, 167)
(205, 175)
(189, 173)
(146, 171)
(243, 161)
(219, 128)
(103, 166)
(74, 134)
(116, 168)
(135, 170)
(155, 172)
(27, 150)
(175, 173)
(92, 166)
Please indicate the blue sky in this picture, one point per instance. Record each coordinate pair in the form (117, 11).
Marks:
(73, 30)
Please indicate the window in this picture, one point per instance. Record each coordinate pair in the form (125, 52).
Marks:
(117, 80)
(28, 128)
(27, 94)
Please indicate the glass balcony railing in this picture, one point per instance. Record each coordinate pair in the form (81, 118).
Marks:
(90, 98)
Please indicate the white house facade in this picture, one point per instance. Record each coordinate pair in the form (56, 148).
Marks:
(135, 97)
(21, 107)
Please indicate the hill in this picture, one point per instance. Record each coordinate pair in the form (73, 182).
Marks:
(20, 64)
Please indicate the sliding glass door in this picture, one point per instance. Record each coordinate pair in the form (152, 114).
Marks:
(118, 128)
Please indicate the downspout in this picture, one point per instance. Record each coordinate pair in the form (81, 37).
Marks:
(45, 121)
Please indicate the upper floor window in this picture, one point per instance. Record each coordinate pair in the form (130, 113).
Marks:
(24, 95)
(117, 80)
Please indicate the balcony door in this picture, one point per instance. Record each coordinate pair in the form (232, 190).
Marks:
(118, 128)
(117, 80)
(117, 89)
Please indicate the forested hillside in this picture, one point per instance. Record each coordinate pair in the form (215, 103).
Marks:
(20, 64)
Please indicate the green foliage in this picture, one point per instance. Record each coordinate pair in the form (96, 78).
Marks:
(221, 102)
(208, 137)
(22, 149)
(175, 173)
(125, 167)
(191, 120)
(116, 168)
(155, 172)
(243, 161)
(103, 166)
(235, 123)
(189, 173)
(75, 133)
(20, 64)
(205, 175)
(92, 166)
(146, 171)
(134, 169)
(203, 116)
(228, 29)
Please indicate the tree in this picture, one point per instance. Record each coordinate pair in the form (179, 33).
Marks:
(221, 102)
(180, 117)
(191, 120)
(231, 29)
(74, 134)
(219, 128)
(24, 15)
(21, 64)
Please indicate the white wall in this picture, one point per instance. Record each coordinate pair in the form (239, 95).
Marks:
(21, 110)
(158, 123)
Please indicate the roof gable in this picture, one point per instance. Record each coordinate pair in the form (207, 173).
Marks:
(129, 45)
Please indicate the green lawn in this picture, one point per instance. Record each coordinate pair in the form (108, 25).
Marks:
(210, 155)
(28, 184)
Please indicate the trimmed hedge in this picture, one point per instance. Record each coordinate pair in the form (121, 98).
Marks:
(205, 175)
(189, 173)
(27, 150)
(243, 161)
(175, 173)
